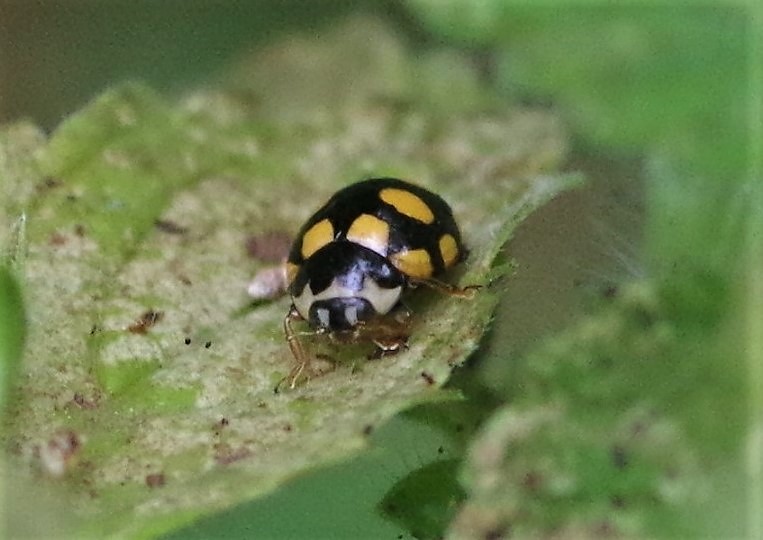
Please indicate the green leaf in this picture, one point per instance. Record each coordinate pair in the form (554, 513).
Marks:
(149, 426)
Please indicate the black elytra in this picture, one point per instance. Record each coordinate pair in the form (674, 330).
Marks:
(347, 204)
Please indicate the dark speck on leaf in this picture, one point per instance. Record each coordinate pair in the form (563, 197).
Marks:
(496, 534)
(609, 291)
(50, 182)
(170, 227)
(208, 344)
(83, 402)
(187, 341)
(427, 377)
(368, 429)
(619, 457)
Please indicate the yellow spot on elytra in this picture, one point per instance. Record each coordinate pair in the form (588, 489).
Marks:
(407, 203)
(316, 237)
(291, 272)
(371, 232)
(448, 250)
(415, 263)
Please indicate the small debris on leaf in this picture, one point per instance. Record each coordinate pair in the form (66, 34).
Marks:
(83, 402)
(269, 283)
(146, 321)
(58, 453)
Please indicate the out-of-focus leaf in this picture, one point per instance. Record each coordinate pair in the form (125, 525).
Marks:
(615, 427)
(659, 76)
(12, 329)
(145, 391)
(426, 499)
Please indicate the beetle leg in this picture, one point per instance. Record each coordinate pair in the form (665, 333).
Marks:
(467, 292)
(303, 360)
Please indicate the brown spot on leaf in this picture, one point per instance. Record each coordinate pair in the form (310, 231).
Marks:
(532, 481)
(270, 246)
(169, 227)
(57, 239)
(225, 454)
(83, 402)
(155, 480)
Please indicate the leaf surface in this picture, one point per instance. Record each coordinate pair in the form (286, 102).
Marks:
(143, 351)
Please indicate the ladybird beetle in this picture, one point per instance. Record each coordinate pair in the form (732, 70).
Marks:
(352, 260)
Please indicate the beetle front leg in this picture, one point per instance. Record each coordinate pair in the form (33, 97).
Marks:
(295, 345)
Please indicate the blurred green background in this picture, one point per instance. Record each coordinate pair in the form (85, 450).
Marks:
(58, 55)
(662, 103)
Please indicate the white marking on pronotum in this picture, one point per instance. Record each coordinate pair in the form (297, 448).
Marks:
(351, 315)
(382, 299)
(323, 317)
